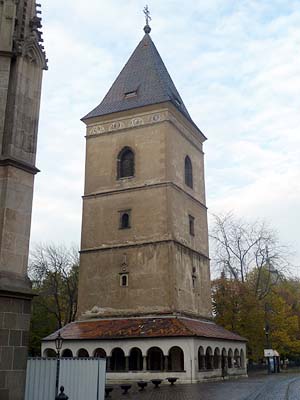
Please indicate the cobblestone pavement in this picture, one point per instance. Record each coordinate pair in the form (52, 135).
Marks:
(274, 387)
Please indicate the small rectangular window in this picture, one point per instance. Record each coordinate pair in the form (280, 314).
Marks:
(125, 219)
(192, 225)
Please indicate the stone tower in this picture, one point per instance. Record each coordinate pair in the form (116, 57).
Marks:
(144, 285)
(144, 243)
(22, 61)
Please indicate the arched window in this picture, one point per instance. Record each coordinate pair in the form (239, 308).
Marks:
(217, 358)
(155, 359)
(67, 353)
(135, 360)
(237, 359)
(50, 353)
(201, 359)
(125, 224)
(209, 358)
(117, 360)
(99, 353)
(176, 359)
(188, 172)
(224, 364)
(82, 353)
(125, 163)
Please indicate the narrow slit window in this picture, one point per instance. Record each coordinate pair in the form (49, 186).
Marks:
(188, 172)
(194, 277)
(192, 225)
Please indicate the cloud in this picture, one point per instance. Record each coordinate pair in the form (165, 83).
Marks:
(236, 65)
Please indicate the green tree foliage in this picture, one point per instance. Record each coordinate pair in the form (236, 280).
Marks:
(53, 271)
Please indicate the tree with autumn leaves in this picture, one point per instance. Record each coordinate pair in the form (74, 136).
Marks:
(254, 291)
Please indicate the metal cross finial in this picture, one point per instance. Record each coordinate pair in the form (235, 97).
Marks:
(147, 14)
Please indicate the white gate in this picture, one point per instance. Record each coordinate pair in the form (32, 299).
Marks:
(82, 378)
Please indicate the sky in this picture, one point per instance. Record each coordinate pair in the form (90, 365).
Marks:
(236, 64)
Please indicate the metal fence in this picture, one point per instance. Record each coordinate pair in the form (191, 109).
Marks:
(81, 378)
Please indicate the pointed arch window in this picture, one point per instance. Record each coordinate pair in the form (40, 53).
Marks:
(125, 163)
(188, 172)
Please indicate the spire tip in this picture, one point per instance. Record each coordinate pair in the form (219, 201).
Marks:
(146, 11)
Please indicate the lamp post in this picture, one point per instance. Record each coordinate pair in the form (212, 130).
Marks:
(267, 333)
(58, 346)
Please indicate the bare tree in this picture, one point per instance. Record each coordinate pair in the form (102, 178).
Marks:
(54, 273)
(248, 251)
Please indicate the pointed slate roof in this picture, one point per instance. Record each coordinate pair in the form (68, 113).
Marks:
(145, 74)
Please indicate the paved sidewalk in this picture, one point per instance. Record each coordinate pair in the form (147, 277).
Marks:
(274, 387)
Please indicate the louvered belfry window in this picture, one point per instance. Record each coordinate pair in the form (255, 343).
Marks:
(188, 172)
(125, 163)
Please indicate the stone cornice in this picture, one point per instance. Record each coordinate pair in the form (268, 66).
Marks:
(143, 187)
(17, 294)
(13, 285)
(141, 118)
(145, 118)
(143, 243)
(8, 54)
(13, 162)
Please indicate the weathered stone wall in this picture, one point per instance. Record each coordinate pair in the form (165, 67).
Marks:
(160, 276)
(192, 291)
(14, 327)
(182, 142)
(22, 61)
(23, 102)
(4, 81)
(148, 216)
(149, 276)
(7, 23)
(16, 187)
(147, 141)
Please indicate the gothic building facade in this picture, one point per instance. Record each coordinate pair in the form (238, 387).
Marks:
(144, 285)
(22, 61)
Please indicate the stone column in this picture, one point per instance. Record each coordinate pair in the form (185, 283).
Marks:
(226, 361)
(166, 361)
(211, 361)
(224, 367)
(108, 369)
(202, 363)
(127, 363)
(144, 363)
(219, 362)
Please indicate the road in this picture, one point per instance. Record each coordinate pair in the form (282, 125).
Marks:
(274, 387)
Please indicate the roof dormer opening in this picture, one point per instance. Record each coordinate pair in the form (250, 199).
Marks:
(129, 95)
